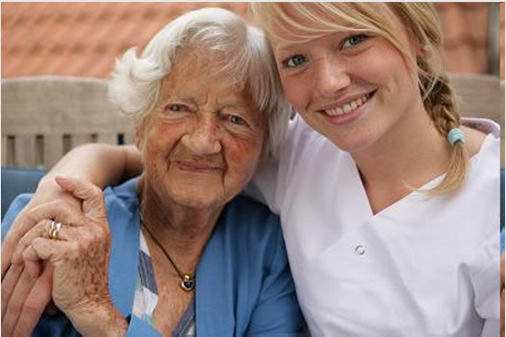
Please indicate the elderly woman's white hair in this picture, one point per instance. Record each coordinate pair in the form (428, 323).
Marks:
(136, 80)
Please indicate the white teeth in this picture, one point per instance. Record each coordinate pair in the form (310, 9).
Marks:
(347, 108)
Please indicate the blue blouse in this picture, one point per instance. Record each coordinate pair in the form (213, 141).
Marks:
(243, 284)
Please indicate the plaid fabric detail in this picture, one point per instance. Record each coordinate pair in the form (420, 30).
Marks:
(146, 292)
(186, 326)
(146, 296)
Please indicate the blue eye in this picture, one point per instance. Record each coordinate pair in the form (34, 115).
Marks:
(354, 40)
(236, 120)
(294, 61)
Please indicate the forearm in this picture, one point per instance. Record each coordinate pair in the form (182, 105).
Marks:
(100, 164)
(101, 321)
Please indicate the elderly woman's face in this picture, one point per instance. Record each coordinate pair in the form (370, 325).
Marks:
(203, 140)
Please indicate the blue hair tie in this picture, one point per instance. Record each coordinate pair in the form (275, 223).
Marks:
(456, 135)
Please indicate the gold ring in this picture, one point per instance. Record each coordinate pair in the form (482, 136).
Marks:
(54, 229)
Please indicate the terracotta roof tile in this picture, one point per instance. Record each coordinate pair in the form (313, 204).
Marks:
(83, 39)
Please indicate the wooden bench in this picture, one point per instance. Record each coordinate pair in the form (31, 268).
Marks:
(44, 117)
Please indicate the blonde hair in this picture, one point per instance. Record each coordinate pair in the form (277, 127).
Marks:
(300, 22)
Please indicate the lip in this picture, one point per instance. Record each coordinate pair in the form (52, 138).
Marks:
(351, 116)
(192, 166)
(346, 100)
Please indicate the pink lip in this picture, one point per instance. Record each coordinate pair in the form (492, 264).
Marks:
(344, 101)
(197, 167)
(339, 120)
(349, 117)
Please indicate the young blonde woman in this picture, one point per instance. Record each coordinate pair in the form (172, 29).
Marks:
(389, 202)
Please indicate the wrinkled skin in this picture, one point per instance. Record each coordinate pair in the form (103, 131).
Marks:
(77, 263)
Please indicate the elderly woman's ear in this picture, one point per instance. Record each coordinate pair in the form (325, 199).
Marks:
(139, 134)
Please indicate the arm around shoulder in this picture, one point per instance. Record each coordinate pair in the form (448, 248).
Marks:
(100, 164)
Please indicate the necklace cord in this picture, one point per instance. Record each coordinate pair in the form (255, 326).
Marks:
(185, 278)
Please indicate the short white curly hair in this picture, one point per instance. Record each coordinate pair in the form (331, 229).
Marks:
(136, 81)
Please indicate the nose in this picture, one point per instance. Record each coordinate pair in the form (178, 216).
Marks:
(203, 138)
(331, 77)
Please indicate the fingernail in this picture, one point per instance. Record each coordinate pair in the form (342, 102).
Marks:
(51, 309)
(64, 182)
(61, 178)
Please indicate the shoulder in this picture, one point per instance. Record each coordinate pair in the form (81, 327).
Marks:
(14, 209)
(479, 199)
(124, 195)
(474, 140)
(302, 135)
(122, 202)
(484, 139)
(123, 218)
(250, 214)
(483, 125)
(476, 131)
(251, 227)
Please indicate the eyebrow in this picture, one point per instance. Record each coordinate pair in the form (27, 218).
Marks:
(235, 105)
(188, 99)
(284, 48)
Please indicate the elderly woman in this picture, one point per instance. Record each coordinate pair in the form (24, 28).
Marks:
(188, 255)
(379, 179)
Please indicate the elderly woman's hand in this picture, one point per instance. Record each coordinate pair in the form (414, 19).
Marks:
(24, 296)
(78, 253)
(48, 190)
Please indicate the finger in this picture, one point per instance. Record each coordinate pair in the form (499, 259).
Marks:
(48, 190)
(58, 210)
(40, 230)
(8, 248)
(18, 228)
(92, 196)
(51, 308)
(46, 249)
(35, 304)
(15, 303)
(74, 241)
(33, 262)
(9, 284)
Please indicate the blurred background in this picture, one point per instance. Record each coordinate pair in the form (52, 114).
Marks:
(83, 39)
(56, 58)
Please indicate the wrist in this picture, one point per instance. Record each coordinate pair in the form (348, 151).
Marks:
(100, 320)
(49, 190)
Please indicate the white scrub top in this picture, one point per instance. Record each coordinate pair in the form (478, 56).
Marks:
(421, 267)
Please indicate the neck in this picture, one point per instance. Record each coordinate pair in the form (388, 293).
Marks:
(183, 231)
(409, 156)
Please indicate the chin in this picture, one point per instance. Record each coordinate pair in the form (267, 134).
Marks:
(199, 202)
(352, 145)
